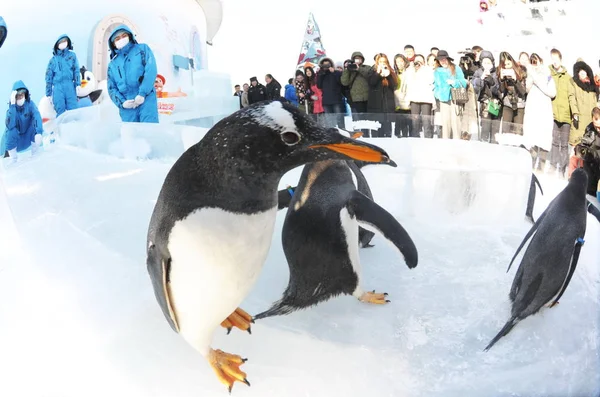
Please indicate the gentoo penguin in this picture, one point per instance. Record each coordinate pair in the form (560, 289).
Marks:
(364, 236)
(531, 198)
(320, 236)
(551, 257)
(212, 225)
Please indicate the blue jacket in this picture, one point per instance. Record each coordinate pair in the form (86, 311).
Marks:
(441, 89)
(23, 121)
(131, 71)
(290, 94)
(63, 68)
(3, 31)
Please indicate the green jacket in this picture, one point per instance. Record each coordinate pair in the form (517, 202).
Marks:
(359, 92)
(565, 95)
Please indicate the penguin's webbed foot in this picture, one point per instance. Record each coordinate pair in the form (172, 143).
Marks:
(239, 319)
(227, 367)
(375, 298)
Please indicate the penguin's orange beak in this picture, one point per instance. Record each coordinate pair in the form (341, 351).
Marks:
(357, 152)
(83, 83)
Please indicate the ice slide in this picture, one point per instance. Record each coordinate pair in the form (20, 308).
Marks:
(79, 318)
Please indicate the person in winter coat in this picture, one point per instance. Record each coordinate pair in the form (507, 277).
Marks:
(383, 81)
(131, 75)
(418, 80)
(257, 91)
(486, 86)
(245, 102)
(513, 91)
(562, 109)
(62, 76)
(355, 78)
(538, 121)
(585, 99)
(446, 77)
(590, 143)
(3, 31)
(290, 92)
(302, 91)
(273, 87)
(329, 81)
(23, 123)
(403, 125)
(315, 94)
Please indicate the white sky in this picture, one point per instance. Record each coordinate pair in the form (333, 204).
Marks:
(264, 36)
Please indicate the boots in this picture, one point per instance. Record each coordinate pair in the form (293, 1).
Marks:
(35, 145)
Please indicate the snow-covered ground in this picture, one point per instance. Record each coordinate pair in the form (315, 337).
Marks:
(78, 316)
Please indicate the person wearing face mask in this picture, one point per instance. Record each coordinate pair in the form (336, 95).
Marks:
(486, 86)
(63, 76)
(23, 123)
(3, 31)
(131, 75)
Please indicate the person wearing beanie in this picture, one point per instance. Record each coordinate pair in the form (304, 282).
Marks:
(354, 77)
(257, 92)
(486, 86)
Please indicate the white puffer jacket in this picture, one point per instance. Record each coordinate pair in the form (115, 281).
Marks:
(419, 84)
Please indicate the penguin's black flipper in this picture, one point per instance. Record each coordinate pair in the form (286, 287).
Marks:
(537, 182)
(159, 269)
(527, 237)
(592, 209)
(94, 95)
(531, 200)
(285, 197)
(373, 217)
(574, 260)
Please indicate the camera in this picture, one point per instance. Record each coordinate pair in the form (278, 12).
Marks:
(352, 65)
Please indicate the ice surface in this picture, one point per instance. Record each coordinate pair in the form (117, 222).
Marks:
(79, 318)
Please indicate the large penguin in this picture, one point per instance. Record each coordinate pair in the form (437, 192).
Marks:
(320, 235)
(551, 257)
(212, 225)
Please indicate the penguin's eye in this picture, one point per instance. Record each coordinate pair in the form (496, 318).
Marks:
(290, 138)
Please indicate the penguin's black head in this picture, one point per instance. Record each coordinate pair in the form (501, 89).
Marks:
(579, 180)
(277, 136)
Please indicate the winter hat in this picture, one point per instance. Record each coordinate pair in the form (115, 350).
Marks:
(339, 64)
(253, 79)
(486, 54)
(443, 54)
(161, 78)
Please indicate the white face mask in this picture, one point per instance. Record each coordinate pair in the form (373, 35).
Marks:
(21, 101)
(122, 42)
(63, 45)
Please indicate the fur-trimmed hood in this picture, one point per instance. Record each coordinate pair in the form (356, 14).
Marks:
(589, 86)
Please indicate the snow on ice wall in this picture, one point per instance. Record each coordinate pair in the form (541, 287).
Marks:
(80, 318)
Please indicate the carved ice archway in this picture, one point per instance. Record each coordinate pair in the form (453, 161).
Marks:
(101, 55)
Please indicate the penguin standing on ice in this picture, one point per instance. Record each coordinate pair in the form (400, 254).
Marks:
(212, 225)
(551, 257)
(320, 236)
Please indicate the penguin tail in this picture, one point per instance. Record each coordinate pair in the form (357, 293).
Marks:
(537, 182)
(280, 308)
(503, 332)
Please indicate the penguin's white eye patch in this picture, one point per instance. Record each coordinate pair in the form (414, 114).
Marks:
(290, 137)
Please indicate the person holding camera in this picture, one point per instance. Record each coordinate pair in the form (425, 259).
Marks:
(513, 91)
(486, 86)
(329, 81)
(355, 78)
(590, 149)
(383, 81)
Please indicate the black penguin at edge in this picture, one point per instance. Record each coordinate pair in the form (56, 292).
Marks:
(552, 255)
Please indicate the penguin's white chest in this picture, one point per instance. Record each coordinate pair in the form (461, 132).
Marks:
(216, 257)
(350, 229)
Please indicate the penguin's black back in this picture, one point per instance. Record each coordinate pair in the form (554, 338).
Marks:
(547, 259)
(313, 240)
